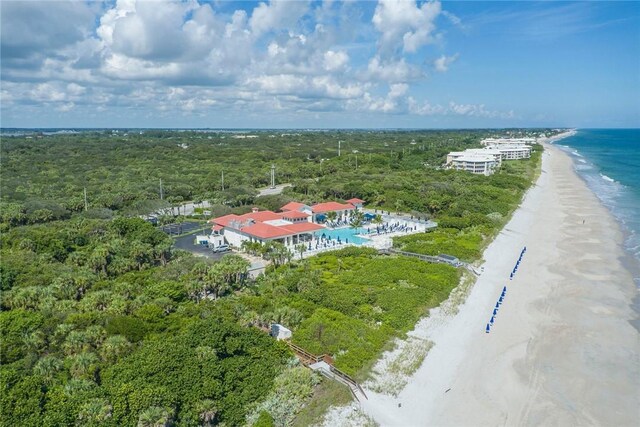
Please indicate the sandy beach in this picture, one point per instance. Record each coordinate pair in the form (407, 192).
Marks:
(561, 351)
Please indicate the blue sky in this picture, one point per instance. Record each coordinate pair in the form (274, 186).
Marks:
(317, 64)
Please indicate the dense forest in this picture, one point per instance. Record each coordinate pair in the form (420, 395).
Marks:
(103, 322)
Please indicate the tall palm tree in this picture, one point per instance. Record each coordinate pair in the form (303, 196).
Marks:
(332, 215)
(207, 411)
(300, 248)
(154, 416)
(356, 220)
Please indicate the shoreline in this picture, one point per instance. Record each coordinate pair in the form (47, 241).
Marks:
(630, 260)
(562, 350)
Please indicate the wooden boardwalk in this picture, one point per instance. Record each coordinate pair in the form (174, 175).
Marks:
(427, 258)
(324, 365)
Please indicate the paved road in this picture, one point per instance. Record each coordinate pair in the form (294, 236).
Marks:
(272, 191)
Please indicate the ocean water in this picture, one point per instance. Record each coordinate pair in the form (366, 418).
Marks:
(609, 162)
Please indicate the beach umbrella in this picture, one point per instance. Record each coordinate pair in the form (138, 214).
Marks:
(503, 294)
(491, 321)
(488, 328)
(497, 305)
(504, 289)
(501, 299)
(495, 311)
(511, 275)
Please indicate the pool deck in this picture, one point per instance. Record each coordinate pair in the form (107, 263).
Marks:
(381, 241)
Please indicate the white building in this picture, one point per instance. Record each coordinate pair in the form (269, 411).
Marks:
(289, 228)
(496, 153)
(515, 153)
(475, 160)
(500, 141)
(475, 163)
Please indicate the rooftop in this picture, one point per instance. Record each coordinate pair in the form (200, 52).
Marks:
(331, 206)
(293, 206)
(265, 224)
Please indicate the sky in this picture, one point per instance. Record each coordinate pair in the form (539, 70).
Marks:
(319, 64)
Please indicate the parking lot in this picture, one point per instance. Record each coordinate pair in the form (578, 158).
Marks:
(187, 243)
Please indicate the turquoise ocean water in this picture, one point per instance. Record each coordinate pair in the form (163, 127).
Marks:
(609, 162)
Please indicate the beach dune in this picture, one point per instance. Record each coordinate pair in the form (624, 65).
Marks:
(561, 350)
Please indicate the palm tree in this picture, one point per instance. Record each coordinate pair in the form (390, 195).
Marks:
(399, 205)
(154, 416)
(249, 318)
(331, 216)
(287, 316)
(215, 281)
(356, 220)
(114, 347)
(34, 342)
(95, 412)
(83, 365)
(100, 258)
(48, 367)
(75, 342)
(207, 411)
(377, 219)
(300, 248)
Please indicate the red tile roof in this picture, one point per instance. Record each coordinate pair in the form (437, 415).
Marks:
(292, 206)
(253, 224)
(294, 214)
(265, 231)
(331, 206)
(261, 216)
(355, 200)
(303, 227)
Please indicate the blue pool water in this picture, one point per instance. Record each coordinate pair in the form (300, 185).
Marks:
(345, 234)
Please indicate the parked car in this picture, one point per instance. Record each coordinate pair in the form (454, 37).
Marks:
(222, 248)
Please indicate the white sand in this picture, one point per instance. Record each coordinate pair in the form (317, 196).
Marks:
(561, 352)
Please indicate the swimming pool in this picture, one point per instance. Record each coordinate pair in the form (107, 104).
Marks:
(344, 234)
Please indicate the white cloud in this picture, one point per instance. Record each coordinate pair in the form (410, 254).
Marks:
(403, 24)
(276, 15)
(398, 89)
(184, 57)
(335, 60)
(392, 70)
(442, 64)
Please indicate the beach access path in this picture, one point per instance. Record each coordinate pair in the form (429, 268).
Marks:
(561, 351)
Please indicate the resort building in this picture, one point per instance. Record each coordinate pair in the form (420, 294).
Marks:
(295, 224)
(357, 203)
(495, 153)
(475, 163)
(500, 141)
(318, 213)
(289, 228)
(485, 160)
(514, 152)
